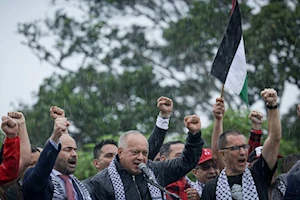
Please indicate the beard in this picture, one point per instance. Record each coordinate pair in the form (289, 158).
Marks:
(63, 167)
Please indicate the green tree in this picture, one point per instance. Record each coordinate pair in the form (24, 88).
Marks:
(99, 104)
(271, 43)
(177, 40)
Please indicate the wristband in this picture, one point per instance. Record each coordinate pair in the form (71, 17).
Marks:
(256, 131)
(272, 107)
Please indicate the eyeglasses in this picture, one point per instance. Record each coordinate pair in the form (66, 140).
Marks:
(206, 166)
(237, 148)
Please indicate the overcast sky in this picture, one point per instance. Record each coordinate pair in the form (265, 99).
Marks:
(22, 73)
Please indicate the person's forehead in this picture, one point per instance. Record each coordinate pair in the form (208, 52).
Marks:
(108, 148)
(67, 141)
(176, 147)
(236, 139)
(136, 140)
(69, 144)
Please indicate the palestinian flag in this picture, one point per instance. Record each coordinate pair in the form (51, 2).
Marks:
(229, 65)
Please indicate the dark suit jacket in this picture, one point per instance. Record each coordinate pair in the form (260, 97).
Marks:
(37, 184)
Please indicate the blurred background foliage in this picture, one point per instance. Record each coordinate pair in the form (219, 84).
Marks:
(117, 57)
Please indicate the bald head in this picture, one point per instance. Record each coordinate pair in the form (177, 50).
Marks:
(66, 138)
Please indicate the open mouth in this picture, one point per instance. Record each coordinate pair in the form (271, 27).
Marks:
(211, 177)
(72, 163)
(136, 165)
(242, 161)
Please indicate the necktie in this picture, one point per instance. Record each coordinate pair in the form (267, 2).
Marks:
(69, 187)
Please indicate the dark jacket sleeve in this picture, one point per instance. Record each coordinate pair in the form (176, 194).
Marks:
(293, 189)
(209, 190)
(36, 179)
(9, 168)
(172, 170)
(1, 154)
(155, 141)
(98, 189)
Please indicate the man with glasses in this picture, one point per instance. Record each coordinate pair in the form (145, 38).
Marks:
(236, 181)
(205, 171)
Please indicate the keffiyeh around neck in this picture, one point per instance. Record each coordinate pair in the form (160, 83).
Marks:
(119, 187)
(59, 191)
(248, 189)
(198, 186)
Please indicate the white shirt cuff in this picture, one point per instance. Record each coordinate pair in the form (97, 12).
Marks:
(162, 123)
(54, 144)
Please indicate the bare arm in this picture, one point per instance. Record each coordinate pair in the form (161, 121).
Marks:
(218, 111)
(271, 145)
(25, 148)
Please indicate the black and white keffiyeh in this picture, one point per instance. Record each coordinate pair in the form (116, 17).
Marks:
(247, 191)
(119, 187)
(198, 186)
(60, 191)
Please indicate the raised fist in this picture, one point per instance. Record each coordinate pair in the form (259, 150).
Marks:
(165, 106)
(9, 126)
(256, 117)
(60, 127)
(17, 116)
(193, 123)
(56, 112)
(219, 108)
(270, 96)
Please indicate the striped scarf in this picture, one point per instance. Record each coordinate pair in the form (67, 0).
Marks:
(119, 187)
(60, 191)
(246, 192)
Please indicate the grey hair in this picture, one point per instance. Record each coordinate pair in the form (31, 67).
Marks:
(123, 138)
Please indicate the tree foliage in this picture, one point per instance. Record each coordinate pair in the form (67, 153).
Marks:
(98, 104)
(131, 52)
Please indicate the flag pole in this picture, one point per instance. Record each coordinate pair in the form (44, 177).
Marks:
(222, 91)
(232, 7)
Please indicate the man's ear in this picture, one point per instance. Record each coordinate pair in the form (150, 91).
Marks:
(194, 171)
(96, 163)
(120, 151)
(222, 153)
(163, 158)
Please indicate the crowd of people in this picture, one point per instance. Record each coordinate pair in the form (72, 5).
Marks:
(233, 168)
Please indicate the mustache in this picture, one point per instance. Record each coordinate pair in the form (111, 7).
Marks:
(72, 159)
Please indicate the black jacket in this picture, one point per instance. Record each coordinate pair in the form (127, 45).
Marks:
(166, 172)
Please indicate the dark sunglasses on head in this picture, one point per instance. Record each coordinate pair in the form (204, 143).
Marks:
(206, 166)
(237, 148)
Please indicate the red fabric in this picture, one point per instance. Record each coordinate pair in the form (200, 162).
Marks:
(69, 187)
(205, 155)
(254, 140)
(178, 188)
(9, 168)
